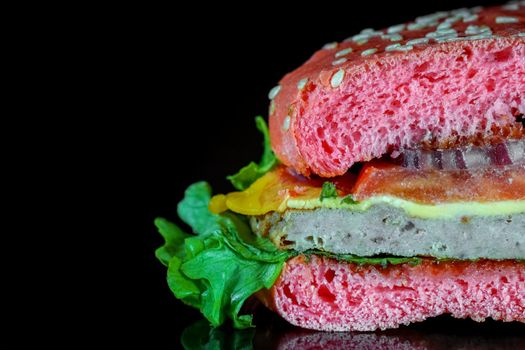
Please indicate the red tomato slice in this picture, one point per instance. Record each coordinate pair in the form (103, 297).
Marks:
(435, 186)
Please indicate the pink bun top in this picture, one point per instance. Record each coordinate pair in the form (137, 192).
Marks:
(442, 80)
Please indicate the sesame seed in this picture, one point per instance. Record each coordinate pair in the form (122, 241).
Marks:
(395, 29)
(286, 123)
(274, 91)
(473, 30)
(418, 41)
(448, 39)
(361, 41)
(439, 37)
(396, 37)
(365, 35)
(480, 36)
(503, 19)
(367, 31)
(330, 46)
(337, 78)
(416, 26)
(359, 37)
(392, 47)
(370, 32)
(369, 52)
(521, 34)
(405, 48)
(453, 19)
(441, 34)
(429, 24)
(399, 47)
(444, 25)
(470, 18)
(272, 108)
(343, 52)
(302, 83)
(339, 61)
(392, 37)
(511, 7)
(446, 31)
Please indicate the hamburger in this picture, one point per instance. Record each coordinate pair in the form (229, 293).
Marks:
(391, 188)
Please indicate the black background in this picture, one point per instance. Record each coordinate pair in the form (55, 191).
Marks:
(194, 79)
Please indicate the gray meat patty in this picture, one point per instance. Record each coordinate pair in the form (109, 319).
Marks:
(386, 230)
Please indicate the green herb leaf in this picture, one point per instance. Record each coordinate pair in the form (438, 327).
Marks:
(349, 199)
(328, 191)
(251, 172)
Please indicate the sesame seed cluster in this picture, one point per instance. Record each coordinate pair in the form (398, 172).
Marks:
(463, 24)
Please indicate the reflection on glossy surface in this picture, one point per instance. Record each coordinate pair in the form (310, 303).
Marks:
(201, 335)
(439, 333)
(406, 339)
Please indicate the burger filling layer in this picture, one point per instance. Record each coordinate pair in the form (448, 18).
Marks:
(465, 203)
(388, 230)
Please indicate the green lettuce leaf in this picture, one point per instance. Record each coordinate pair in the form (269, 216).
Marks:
(229, 280)
(251, 172)
(220, 266)
(193, 209)
(174, 241)
(184, 288)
